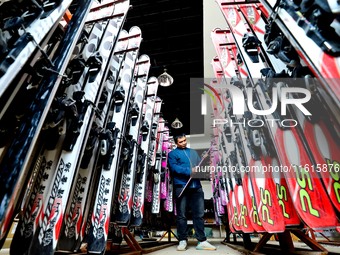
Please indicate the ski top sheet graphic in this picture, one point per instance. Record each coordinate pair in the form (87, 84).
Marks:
(142, 170)
(47, 234)
(125, 197)
(76, 212)
(15, 160)
(310, 205)
(100, 217)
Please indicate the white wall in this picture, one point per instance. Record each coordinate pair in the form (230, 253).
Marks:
(212, 18)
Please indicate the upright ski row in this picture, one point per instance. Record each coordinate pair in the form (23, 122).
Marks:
(89, 140)
(276, 136)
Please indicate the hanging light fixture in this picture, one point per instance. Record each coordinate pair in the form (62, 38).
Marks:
(176, 124)
(165, 79)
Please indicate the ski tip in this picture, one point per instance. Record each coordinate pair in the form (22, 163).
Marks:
(123, 35)
(143, 58)
(135, 30)
(153, 80)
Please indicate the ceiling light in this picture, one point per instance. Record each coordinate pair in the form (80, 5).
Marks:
(165, 79)
(176, 124)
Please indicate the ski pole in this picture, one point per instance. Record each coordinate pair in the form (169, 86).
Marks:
(203, 158)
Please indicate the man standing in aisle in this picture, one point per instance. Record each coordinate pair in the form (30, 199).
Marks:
(182, 162)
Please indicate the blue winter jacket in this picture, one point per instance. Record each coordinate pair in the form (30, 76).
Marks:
(180, 166)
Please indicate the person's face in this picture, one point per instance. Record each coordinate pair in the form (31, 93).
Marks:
(182, 142)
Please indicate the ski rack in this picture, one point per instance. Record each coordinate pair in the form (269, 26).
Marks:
(285, 239)
(250, 161)
(277, 135)
(324, 66)
(329, 126)
(37, 31)
(134, 247)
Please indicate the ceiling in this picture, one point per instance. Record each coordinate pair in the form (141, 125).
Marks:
(172, 32)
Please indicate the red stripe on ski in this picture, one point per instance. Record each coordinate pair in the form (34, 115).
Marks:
(263, 10)
(254, 17)
(231, 14)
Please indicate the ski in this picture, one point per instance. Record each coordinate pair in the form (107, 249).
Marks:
(156, 170)
(164, 172)
(15, 160)
(142, 170)
(100, 217)
(152, 150)
(324, 142)
(125, 196)
(167, 186)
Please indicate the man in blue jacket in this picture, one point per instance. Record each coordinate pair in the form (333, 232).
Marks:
(182, 162)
